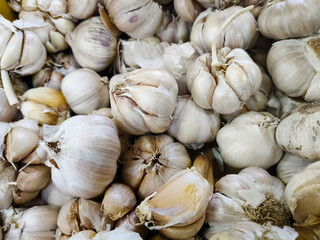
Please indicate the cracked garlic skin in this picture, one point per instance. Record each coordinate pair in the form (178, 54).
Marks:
(281, 19)
(151, 161)
(143, 100)
(294, 66)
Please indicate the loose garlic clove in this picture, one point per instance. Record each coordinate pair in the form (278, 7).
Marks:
(143, 100)
(85, 90)
(92, 44)
(249, 141)
(21, 197)
(152, 161)
(53, 196)
(83, 9)
(7, 175)
(7, 112)
(188, 10)
(281, 19)
(118, 200)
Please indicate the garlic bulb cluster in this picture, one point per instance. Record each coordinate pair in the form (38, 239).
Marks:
(77, 168)
(241, 33)
(252, 195)
(138, 19)
(151, 161)
(7, 175)
(143, 100)
(281, 19)
(53, 196)
(85, 90)
(185, 123)
(93, 45)
(82, 9)
(294, 67)
(249, 141)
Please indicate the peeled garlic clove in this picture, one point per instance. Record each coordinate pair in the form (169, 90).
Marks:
(188, 10)
(280, 20)
(83, 235)
(249, 140)
(53, 196)
(70, 155)
(7, 112)
(119, 234)
(21, 197)
(7, 175)
(92, 44)
(85, 90)
(20, 142)
(118, 200)
(83, 9)
(181, 201)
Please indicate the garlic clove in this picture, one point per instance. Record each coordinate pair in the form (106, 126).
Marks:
(6, 33)
(21, 197)
(37, 156)
(119, 234)
(53, 196)
(83, 9)
(83, 235)
(68, 219)
(7, 112)
(7, 175)
(12, 53)
(204, 167)
(188, 10)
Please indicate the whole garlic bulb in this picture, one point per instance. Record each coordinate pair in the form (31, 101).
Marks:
(151, 161)
(83, 154)
(241, 33)
(82, 9)
(294, 67)
(185, 123)
(92, 44)
(143, 100)
(304, 140)
(249, 141)
(281, 19)
(85, 90)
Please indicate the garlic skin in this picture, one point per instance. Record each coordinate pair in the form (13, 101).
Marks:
(294, 67)
(85, 90)
(7, 175)
(151, 161)
(7, 112)
(241, 33)
(281, 20)
(119, 234)
(53, 196)
(143, 100)
(92, 44)
(303, 141)
(289, 166)
(82, 9)
(252, 195)
(70, 155)
(138, 19)
(185, 123)
(249, 141)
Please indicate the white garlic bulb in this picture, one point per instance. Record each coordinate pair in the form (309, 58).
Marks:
(53, 196)
(185, 123)
(71, 153)
(283, 19)
(85, 90)
(249, 141)
(294, 67)
(151, 161)
(143, 100)
(82, 9)
(92, 44)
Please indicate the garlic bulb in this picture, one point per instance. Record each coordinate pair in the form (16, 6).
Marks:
(241, 33)
(303, 141)
(249, 141)
(185, 123)
(138, 19)
(151, 161)
(302, 196)
(92, 44)
(289, 166)
(82, 9)
(85, 90)
(180, 202)
(7, 112)
(252, 195)
(71, 153)
(143, 100)
(53, 196)
(294, 67)
(83, 235)
(117, 234)
(281, 19)
(188, 10)
(7, 175)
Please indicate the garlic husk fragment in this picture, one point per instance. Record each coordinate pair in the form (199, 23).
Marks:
(7, 112)
(185, 123)
(138, 19)
(181, 201)
(281, 19)
(294, 67)
(143, 100)
(304, 140)
(118, 200)
(151, 161)
(53, 196)
(252, 195)
(92, 44)
(188, 10)
(117, 234)
(85, 90)
(208, 23)
(7, 175)
(289, 166)
(70, 155)
(302, 196)
(83, 235)
(249, 141)
(82, 9)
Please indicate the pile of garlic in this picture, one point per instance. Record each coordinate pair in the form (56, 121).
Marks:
(160, 119)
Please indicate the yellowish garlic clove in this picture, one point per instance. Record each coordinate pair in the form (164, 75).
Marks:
(204, 166)
(119, 234)
(188, 10)
(83, 235)
(83, 9)
(7, 175)
(53, 196)
(21, 197)
(118, 200)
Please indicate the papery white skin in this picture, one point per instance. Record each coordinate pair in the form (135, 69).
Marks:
(82, 9)
(53, 196)
(188, 10)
